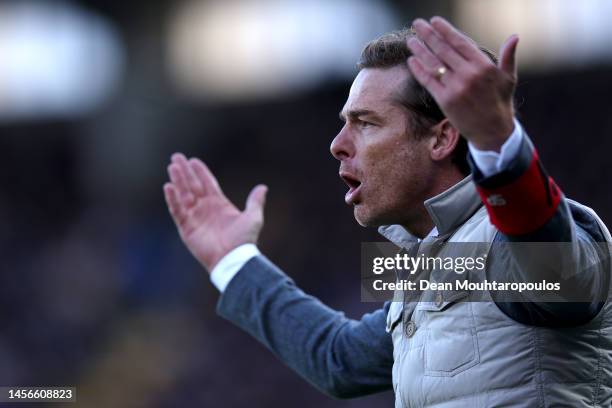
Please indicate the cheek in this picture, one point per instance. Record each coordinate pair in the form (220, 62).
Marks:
(389, 167)
(396, 178)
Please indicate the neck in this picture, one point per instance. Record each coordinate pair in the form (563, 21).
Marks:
(422, 224)
(420, 229)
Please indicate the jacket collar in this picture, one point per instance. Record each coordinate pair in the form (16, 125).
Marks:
(448, 210)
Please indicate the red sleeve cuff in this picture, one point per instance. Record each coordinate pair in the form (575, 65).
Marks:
(525, 204)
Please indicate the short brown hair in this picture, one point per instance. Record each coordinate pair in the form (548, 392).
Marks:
(391, 50)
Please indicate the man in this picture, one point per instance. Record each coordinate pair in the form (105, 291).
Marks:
(401, 153)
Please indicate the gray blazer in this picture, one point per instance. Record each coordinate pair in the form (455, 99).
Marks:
(342, 357)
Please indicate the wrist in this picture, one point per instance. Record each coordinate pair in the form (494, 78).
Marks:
(495, 139)
(211, 261)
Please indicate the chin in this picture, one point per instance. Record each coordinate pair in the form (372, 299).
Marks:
(365, 217)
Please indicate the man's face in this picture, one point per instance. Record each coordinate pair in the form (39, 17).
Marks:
(387, 170)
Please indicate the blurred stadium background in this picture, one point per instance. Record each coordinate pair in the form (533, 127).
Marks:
(96, 290)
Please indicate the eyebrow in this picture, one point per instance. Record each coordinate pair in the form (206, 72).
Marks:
(356, 114)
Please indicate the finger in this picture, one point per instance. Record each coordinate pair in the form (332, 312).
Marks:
(423, 54)
(176, 176)
(461, 43)
(507, 56)
(438, 45)
(205, 176)
(425, 77)
(255, 203)
(430, 62)
(191, 181)
(180, 185)
(174, 206)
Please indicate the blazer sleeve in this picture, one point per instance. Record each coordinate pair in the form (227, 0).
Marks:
(342, 357)
(525, 205)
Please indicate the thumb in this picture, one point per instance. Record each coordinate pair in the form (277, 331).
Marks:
(256, 201)
(507, 55)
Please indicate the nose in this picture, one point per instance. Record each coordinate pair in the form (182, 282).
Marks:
(342, 146)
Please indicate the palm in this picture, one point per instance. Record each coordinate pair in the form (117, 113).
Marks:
(212, 224)
(208, 223)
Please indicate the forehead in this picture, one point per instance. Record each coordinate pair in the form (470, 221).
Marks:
(375, 88)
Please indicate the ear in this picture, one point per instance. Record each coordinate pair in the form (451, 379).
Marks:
(445, 138)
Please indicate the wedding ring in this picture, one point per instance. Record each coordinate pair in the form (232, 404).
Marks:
(440, 72)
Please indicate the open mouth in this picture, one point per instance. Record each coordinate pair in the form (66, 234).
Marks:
(352, 194)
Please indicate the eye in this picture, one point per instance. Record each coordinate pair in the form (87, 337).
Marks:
(365, 124)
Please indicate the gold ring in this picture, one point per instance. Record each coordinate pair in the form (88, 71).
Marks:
(440, 72)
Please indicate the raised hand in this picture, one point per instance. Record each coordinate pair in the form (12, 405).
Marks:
(474, 93)
(208, 223)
